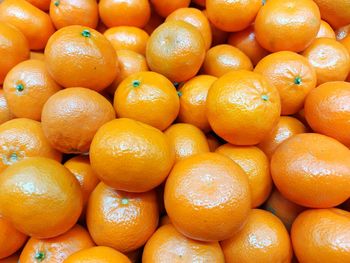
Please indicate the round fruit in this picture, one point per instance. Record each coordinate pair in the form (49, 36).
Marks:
(98, 254)
(41, 4)
(337, 13)
(5, 113)
(218, 36)
(325, 30)
(166, 7)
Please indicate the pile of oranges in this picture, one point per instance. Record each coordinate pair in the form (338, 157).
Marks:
(175, 131)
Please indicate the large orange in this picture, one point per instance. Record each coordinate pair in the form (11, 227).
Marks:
(166, 7)
(99, 254)
(337, 13)
(325, 30)
(5, 113)
(218, 36)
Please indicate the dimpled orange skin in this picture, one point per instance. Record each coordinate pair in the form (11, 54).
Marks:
(121, 220)
(263, 239)
(74, 12)
(131, 156)
(306, 160)
(218, 36)
(147, 97)
(78, 56)
(65, 112)
(22, 138)
(166, 7)
(193, 96)
(176, 50)
(325, 30)
(336, 13)
(168, 245)
(40, 197)
(29, 19)
(242, 108)
(222, 59)
(293, 77)
(322, 235)
(232, 16)
(56, 249)
(286, 128)
(27, 87)
(41, 4)
(98, 254)
(255, 164)
(278, 20)
(5, 113)
(207, 197)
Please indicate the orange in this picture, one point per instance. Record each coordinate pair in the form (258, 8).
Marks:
(213, 141)
(246, 41)
(207, 197)
(166, 7)
(242, 107)
(148, 97)
(123, 221)
(322, 235)
(308, 160)
(222, 59)
(56, 249)
(27, 87)
(325, 30)
(193, 96)
(346, 43)
(292, 75)
(286, 128)
(41, 4)
(263, 239)
(11, 259)
(124, 13)
(74, 12)
(168, 54)
(5, 113)
(22, 138)
(98, 254)
(330, 59)
(337, 13)
(168, 245)
(35, 24)
(255, 164)
(342, 32)
(218, 36)
(294, 26)
(48, 197)
(232, 16)
(154, 22)
(37, 55)
(138, 153)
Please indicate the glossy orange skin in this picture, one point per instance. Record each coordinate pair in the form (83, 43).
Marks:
(224, 58)
(213, 142)
(27, 87)
(37, 55)
(336, 13)
(74, 12)
(342, 32)
(29, 19)
(22, 138)
(263, 239)
(256, 165)
(48, 197)
(41, 4)
(309, 159)
(322, 235)
(168, 245)
(207, 197)
(5, 113)
(325, 30)
(242, 107)
(287, 24)
(124, 13)
(286, 128)
(232, 16)
(292, 75)
(99, 254)
(218, 36)
(56, 249)
(193, 96)
(123, 221)
(166, 7)
(176, 50)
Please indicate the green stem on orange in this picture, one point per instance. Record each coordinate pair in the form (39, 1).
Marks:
(86, 33)
(39, 256)
(297, 80)
(136, 83)
(265, 97)
(57, 3)
(20, 87)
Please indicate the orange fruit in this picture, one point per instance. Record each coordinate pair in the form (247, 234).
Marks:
(22, 138)
(168, 54)
(222, 59)
(154, 22)
(11, 259)
(292, 75)
(232, 15)
(121, 13)
(325, 30)
(248, 101)
(74, 12)
(48, 197)
(193, 96)
(286, 128)
(256, 165)
(294, 26)
(56, 249)
(330, 59)
(5, 113)
(342, 32)
(168, 245)
(322, 235)
(218, 36)
(207, 197)
(148, 97)
(67, 62)
(99, 254)
(37, 55)
(346, 44)
(27, 87)
(213, 142)
(35, 24)
(309, 159)
(166, 7)
(143, 166)
(41, 4)
(337, 13)
(263, 239)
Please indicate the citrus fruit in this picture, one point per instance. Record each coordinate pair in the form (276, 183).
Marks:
(166, 7)
(5, 113)
(325, 30)
(99, 254)
(337, 13)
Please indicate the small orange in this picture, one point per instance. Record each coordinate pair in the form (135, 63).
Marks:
(337, 13)
(41, 4)
(5, 113)
(37, 55)
(218, 36)
(325, 30)
(342, 32)
(154, 22)
(166, 7)
(99, 254)
(213, 141)
(221, 59)
(346, 43)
